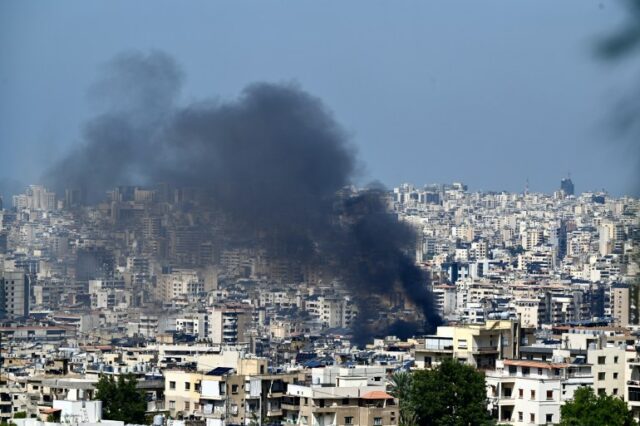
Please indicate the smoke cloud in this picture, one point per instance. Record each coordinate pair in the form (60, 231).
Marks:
(274, 160)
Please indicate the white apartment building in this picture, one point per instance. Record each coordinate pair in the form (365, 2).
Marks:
(36, 197)
(332, 311)
(523, 392)
(179, 283)
(444, 297)
(193, 325)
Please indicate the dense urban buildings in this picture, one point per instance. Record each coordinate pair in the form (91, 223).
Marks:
(537, 291)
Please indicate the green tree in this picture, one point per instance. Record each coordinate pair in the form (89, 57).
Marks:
(587, 409)
(20, 415)
(453, 394)
(54, 417)
(121, 399)
(400, 387)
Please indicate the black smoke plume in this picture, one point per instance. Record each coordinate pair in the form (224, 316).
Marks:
(274, 160)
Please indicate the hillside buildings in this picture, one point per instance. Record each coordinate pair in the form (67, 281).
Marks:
(536, 290)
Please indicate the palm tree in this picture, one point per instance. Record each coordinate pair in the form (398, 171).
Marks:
(400, 387)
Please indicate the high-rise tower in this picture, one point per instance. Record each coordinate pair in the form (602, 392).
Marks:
(566, 185)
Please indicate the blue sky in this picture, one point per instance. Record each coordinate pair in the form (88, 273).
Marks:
(491, 93)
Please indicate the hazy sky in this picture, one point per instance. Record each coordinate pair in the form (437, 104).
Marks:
(485, 92)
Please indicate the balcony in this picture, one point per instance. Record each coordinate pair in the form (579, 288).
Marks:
(214, 412)
(215, 415)
(485, 350)
(325, 410)
(290, 406)
(434, 344)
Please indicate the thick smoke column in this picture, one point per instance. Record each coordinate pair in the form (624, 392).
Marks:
(274, 160)
(374, 249)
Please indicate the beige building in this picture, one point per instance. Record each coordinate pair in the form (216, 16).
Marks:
(527, 312)
(229, 324)
(180, 283)
(608, 368)
(182, 392)
(619, 303)
(478, 345)
(222, 396)
(353, 404)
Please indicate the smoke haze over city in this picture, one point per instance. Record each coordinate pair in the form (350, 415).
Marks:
(258, 213)
(273, 160)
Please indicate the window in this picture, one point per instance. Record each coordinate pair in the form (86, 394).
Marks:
(520, 416)
(234, 389)
(533, 394)
(187, 386)
(601, 391)
(549, 395)
(602, 360)
(601, 376)
(520, 393)
(513, 369)
(525, 371)
(172, 405)
(556, 371)
(615, 375)
(172, 385)
(345, 401)
(539, 371)
(348, 420)
(377, 421)
(615, 391)
(549, 418)
(532, 418)
(615, 359)
(187, 406)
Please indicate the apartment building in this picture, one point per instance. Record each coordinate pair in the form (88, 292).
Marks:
(223, 396)
(478, 345)
(14, 294)
(350, 403)
(229, 324)
(619, 303)
(523, 392)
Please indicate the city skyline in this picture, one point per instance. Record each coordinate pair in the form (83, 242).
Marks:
(261, 213)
